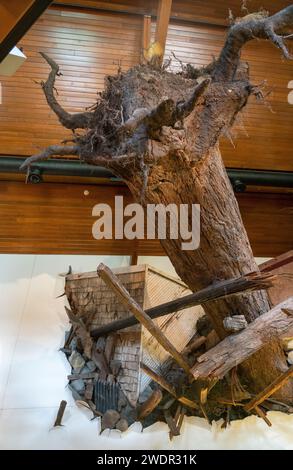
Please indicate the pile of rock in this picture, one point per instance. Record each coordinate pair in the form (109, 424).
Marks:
(93, 382)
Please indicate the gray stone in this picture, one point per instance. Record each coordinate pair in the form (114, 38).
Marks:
(145, 394)
(77, 361)
(75, 394)
(91, 366)
(109, 419)
(85, 370)
(101, 343)
(129, 413)
(67, 333)
(122, 400)
(78, 385)
(122, 425)
(73, 344)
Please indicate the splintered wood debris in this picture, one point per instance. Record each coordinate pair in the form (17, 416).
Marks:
(128, 363)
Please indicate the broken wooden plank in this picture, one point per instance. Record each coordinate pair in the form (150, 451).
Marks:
(262, 415)
(85, 376)
(194, 344)
(150, 404)
(113, 282)
(248, 283)
(235, 323)
(168, 387)
(61, 410)
(234, 349)
(89, 390)
(158, 379)
(174, 431)
(269, 390)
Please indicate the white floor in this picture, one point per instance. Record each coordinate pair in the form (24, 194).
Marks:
(33, 373)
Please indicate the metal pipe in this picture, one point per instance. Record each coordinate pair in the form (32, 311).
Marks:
(240, 178)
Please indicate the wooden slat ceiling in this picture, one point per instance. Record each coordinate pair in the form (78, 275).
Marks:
(90, 45)
(207, 11)
(57, 218)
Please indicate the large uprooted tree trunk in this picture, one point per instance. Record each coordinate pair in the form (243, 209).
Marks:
(160, 132)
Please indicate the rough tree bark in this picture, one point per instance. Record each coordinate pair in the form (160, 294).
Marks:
(160, 132)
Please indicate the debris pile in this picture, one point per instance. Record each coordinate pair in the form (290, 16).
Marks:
(133, 360)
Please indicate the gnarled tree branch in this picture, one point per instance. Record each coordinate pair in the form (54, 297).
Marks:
(273, 28)
(59, 150)
(70, 121)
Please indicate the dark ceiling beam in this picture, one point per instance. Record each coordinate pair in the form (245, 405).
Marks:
(24, 19)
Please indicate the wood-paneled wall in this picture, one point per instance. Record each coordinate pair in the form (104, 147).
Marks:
(89, 45)
(262, 136)
(57, 218)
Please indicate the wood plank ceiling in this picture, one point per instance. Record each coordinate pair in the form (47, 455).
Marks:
(89, 46)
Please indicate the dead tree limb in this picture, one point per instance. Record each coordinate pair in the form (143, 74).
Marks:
(59, 150)
(70, 121)
(113, 282)
(273, 28)
(236, 348)
(218, 290)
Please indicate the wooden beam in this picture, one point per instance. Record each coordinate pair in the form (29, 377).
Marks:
(166, 386)
(146, 39)
(163, 18)
(17, 16)
(113, 282)
(150, 404)
(158, 379)
(216, 291)
(10, 13)
(269, 390)
(234, 349)
(282, 266)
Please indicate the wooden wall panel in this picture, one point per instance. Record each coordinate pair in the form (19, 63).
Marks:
(261, 138)
(56, 218)
(89, 45)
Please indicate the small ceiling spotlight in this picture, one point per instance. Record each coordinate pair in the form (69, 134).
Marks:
(238, 186)
(34, 176)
